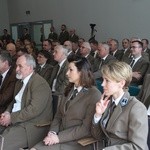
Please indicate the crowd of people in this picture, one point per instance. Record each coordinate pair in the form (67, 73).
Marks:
(49, 99)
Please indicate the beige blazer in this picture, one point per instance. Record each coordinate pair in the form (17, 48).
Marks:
(144, 95)
(36, 109)
(75, 122)
(127, 127)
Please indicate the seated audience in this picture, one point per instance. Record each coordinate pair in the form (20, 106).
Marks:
(30, 50)
(27, 42)
(138, 64)
(58, 80)
(26, 120)
(11, 48)
(114, 45)
(75, 48)
(21, 51)
(94, 48)
(72, 36)
(80, 41)
(68, 45)
(55, 43)
(85, 50)
(145, 55)
(120, 121)
(104, 58)
(73, 118)
(47, 46)
(126, 49)
(43, 68)
(7, 80)
(19, 44)
(145, 46)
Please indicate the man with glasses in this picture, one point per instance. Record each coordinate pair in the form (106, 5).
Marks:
(138, 63)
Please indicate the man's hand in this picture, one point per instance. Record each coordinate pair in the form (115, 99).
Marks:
(5, 119)
(136, 75)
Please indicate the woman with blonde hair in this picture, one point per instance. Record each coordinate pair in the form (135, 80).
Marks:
(120, 121)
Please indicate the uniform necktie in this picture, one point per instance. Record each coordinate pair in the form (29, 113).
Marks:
(74, 94)
(39, 69)
(132, 63)
(1, 77)
(101, 64)
(109, 113)
(71, 98)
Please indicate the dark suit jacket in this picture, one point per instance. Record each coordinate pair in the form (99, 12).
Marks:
(126, 55)
(91, 60)
(97, 62)
(74, 123)
(140, 66)
(51, 60)
(62, 80)
(45, 71)
(118, 54)
(64, 36)
(148, 51)
(7, 89)
(77, 52)
(92, 53)
(145, 55)
(72, 54)
(6, 37)
(53, 36)
(25, 36)
(126, 128)
(144, 95)
(73, 38)
(36, 109)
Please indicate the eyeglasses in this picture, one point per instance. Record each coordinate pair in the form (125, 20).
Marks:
(134, 47)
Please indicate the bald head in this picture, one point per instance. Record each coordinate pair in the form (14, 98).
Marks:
(11, 48)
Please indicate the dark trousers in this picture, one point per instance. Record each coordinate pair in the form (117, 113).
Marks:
(55, 104)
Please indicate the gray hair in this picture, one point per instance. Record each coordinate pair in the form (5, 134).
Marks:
(5, 56)
(30, 60)
(87, 45)
(106, 46)
(63, 49)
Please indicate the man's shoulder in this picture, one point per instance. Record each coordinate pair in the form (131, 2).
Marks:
(11, 74)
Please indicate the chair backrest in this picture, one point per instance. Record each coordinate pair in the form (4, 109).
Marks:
(99, 85)
(1, 142)
(134, 90)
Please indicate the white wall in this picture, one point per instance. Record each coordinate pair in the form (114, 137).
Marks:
(113, 18)
(4, 19)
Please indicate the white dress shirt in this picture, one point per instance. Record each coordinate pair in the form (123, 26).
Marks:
(18, 97)
(54, 82)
